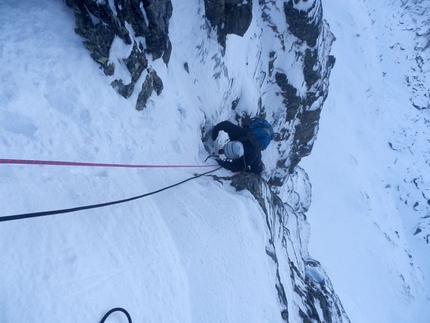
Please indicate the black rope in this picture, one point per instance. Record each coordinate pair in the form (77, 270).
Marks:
(87, 207)
(116, 309)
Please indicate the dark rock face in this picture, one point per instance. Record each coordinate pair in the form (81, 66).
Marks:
(98, 36)
(313, 46)
(158, 13)
(312, 289)
(152, 82)
(100, 23)
(309, 39)
(305, 25)
(229, 17)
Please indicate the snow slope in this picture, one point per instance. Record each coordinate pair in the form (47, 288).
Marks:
(362, 215)
(173, 257)
(195, 253)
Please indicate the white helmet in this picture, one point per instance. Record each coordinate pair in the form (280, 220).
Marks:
(233, 150)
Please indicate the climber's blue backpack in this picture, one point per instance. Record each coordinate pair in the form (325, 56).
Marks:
(261, 133)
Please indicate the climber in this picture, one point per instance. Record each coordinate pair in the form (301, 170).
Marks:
(243, 151)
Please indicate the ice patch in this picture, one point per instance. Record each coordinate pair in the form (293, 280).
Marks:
(313, 273)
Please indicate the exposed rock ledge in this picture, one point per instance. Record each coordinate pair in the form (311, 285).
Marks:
(303, 287)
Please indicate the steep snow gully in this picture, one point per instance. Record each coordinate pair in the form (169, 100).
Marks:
(142, 83)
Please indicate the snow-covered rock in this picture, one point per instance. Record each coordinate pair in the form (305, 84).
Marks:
(289, 76)
(219, 248)
(305, 292)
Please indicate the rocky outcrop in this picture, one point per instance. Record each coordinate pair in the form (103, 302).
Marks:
(295, 29)
(303, 110)
(141, 25)
(303, 287)
(306, 24)
(152, 82)
(229, 17)
(300, 41)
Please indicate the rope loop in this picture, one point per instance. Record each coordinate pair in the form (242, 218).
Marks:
(116, 309)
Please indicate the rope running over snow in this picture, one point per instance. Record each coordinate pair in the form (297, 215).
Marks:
(87, 207)
(65, 163)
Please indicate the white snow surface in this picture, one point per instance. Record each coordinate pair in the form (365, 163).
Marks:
(196, 253)
(362, 214)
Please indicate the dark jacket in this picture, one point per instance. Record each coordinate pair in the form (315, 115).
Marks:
(251, 160)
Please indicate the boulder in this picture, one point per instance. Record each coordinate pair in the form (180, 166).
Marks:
(100, 22)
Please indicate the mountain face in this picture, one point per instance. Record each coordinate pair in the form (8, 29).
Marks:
(283, 76)
(299, 39)
(304, 290)
(413, 190)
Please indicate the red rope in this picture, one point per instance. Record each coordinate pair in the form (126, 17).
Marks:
(64, 163)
